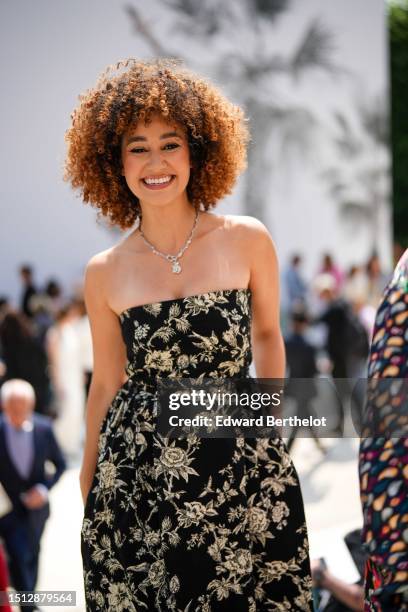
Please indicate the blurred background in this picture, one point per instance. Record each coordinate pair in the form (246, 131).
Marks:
(315, 79)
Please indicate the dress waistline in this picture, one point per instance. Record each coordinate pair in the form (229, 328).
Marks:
(152, 382)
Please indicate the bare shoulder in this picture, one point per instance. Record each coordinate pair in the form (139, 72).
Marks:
(245, 224)
(99, 263)
(97, 273)
(251, 232)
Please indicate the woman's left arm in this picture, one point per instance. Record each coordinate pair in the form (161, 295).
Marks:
(267, 343)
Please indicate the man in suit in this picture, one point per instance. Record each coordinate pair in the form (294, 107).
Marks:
(301, 360)
(26, 442)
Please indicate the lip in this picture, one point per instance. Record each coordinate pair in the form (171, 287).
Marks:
(158, 186)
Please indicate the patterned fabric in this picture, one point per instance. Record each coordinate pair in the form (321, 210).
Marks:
(191, 524)
(384, 458)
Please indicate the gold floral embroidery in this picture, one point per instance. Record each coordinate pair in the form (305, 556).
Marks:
(230, 506)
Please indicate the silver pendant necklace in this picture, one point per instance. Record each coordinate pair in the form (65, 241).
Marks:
(176, 267)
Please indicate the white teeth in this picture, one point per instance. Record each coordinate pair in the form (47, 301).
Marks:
(157, 181)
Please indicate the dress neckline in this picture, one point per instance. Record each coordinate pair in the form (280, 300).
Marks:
(185, 297)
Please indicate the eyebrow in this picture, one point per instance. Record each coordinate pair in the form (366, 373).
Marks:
(144, 139)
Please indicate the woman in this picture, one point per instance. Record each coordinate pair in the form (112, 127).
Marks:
(83, 331)
(195, 524)
(63, 346)
(384, 452)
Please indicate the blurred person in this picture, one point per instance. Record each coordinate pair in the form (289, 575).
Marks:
(24, 357)
(83, 330)
(376, 281)
(301, 359)
(383, 460)
(355, 287)
(4, 306)
(355, 292)
(358, 339)
(366, 314)
(294, 286)
(43, 316)
(335, 318)
(45, 307)
(29, 289)
(63, 347)
(347, 337)
(54, 298)
(343, 596)
(4, 579)
(347, 341)
(27, 445)
(329, 267)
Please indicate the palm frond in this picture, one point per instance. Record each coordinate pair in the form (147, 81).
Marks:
(141, 28)
(203, 18)
(271, 9)
(345, 140)
(190, 8)
(357, 211)
(375, 120)
(315, 50)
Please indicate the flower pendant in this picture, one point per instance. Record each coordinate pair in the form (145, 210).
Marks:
(176, 267)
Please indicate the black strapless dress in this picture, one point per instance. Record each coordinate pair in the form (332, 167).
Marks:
(195, 524)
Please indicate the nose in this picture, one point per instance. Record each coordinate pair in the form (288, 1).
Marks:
(156, 160)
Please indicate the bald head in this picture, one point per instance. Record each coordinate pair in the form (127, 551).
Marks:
(17, 400)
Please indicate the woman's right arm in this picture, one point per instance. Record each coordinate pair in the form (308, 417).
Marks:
(109, 354)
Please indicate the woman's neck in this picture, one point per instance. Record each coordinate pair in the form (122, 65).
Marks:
(168, 227)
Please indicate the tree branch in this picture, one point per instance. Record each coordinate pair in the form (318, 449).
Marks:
(140, 27)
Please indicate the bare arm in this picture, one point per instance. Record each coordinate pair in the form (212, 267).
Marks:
(267, 342)
(351, 595)
(109, 364)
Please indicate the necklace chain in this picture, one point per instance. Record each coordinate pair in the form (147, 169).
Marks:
(176, 267)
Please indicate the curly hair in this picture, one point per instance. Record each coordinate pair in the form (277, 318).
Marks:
(132, 91)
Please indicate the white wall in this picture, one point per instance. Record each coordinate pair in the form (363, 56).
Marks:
(51, 51)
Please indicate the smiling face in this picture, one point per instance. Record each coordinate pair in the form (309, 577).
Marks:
(156, 162)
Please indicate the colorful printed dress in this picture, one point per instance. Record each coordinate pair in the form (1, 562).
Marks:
(194, 524)
(384, 455)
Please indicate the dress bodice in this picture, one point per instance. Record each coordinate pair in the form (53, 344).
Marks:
(191, 523)
(203, 335)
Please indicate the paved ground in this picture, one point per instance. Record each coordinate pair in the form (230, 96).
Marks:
(330, 490)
